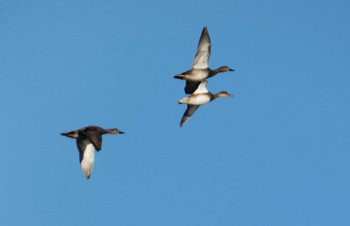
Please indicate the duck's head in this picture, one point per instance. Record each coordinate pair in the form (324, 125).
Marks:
(225, 69)
(115, 131)
(223, 94)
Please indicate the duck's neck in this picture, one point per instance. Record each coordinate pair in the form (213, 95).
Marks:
(107, 131)
(212, 96)
(219, 70)
(213, 72)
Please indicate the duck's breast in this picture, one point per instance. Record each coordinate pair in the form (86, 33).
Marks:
(198, 75)
(199, 99)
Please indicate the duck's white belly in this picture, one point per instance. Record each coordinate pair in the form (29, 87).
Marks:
(199, 99)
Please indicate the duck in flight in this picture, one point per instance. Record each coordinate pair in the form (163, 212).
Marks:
(200, 97)
(88, 139)
(200, 69)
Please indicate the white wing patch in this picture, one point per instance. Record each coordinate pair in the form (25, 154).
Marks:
(201, 88)
(87, 150)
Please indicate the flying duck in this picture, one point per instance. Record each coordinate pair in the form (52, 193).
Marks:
(200, 97)
(88, 139)
(200, 69)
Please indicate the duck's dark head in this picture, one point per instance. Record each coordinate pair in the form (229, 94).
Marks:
(115, 131)
(225, 69)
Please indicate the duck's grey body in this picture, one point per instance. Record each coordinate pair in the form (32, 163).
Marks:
(88, 139)
(200, 97)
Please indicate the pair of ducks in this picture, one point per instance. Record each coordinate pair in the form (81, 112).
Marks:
(196, 79)
(90, 138)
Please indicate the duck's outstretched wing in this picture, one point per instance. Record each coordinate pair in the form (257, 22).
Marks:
(191, 109)
(86, 156)
(203, 51)
(191, 87)
(202, 87)
(94, 137)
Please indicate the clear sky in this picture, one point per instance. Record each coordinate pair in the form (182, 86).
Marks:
(275, 154)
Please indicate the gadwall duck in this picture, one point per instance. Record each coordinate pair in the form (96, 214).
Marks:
(200, 69)
(88, 139)
(200, 97)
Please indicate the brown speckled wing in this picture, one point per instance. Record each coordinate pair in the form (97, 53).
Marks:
(191, 109)
(94, 137)
(81, 144)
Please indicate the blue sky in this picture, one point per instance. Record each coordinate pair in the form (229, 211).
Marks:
(275, 154)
